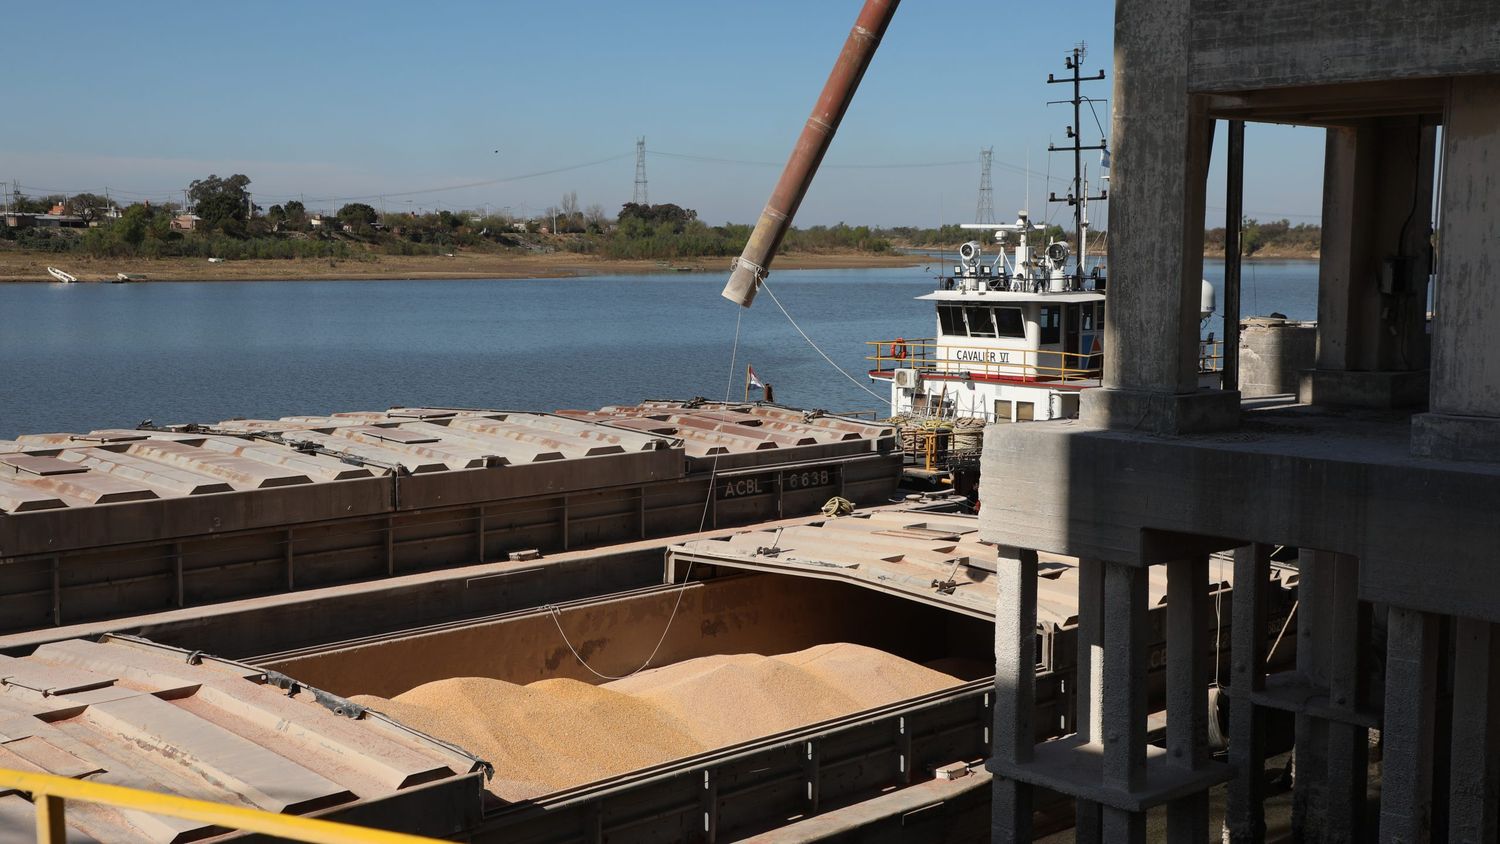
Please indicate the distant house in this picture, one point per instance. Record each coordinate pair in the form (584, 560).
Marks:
(58, 210)
(318, 221)
(186, 222)
(18, 220)
(60, 221)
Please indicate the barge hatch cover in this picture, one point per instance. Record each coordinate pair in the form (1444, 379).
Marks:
(120, 522)
(129, 712)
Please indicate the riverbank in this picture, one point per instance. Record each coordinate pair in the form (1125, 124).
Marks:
(18, 266)
(1269, 253)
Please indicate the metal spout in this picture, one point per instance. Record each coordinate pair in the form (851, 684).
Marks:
(755, 262)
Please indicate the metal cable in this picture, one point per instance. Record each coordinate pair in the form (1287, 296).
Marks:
(1284, 625)
(810, 342)
(556, 613)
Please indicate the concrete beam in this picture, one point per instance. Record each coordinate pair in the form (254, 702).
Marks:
(1423, 530)
(1245, 817)
(1015, 690)
(1283, 43)
(1189, 619)
(1410, 704)
(1089, 683)
(1314, 597)
(1474, 783)
(1123, 710)
(1162, 140)
(1465, 419)
(1348, 641)
(1377, 174)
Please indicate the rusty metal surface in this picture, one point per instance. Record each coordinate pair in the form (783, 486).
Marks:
(49, 471)
(116, 522)
(129, 712)
(931, 557)
(744, 433)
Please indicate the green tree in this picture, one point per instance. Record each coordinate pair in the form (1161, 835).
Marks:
(296, 214)
(132, 226)
(222, 204)
(358, 215)
(1251, 237)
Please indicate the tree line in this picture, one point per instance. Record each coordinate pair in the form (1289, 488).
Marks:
(229, 225)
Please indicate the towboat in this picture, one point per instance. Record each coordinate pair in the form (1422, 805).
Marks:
(1018, 337)
(65, 278)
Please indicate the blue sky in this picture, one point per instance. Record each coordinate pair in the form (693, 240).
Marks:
(331, 101)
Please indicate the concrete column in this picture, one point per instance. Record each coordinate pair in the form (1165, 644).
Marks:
(1410, 701)
(1245, 816)
(1234, 212)
(1161, 145)
(1348, 637)
(1123, 701)
(1189, 618)
(1474, 783)
(1015, 690)
(1465, 420)
(1090, 685)
(1310, 784)
(1372, 337)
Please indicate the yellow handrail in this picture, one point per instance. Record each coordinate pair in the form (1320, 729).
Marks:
(50, 792)
(1034, 364)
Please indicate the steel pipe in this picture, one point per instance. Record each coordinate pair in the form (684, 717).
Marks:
(755, 262)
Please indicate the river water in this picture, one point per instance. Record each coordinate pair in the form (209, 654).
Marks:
(84, 356)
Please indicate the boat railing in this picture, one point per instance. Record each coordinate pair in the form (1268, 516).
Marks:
(1210, 356)
(941, 449)
(929, 356)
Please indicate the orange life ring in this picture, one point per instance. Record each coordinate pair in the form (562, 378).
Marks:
(898, 349)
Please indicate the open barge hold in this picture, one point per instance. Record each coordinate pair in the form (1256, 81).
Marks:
(117, 522)
(907, 582)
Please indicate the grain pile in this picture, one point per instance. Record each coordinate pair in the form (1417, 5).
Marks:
(554, 734)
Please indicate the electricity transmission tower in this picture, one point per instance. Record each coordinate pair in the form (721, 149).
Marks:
(984, 212)
(640, 172)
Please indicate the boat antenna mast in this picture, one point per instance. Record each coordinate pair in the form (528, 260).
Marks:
(1077, 194)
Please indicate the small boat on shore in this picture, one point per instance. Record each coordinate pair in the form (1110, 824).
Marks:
(65, 278)
(121, 278)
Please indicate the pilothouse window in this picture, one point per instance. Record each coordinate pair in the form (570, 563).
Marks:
(951, 320)
(981, 321)
(1010, 322)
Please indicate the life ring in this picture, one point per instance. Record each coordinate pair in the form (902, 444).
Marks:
(898, 349)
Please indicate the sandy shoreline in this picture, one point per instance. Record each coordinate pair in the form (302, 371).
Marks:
(16, 266)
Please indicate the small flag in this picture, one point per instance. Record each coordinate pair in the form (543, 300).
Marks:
(1104, 158)
(753, 380)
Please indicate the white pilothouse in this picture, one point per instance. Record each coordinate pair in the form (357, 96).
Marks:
(1018, 336)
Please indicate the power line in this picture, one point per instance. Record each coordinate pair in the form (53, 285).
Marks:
(480, 184)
